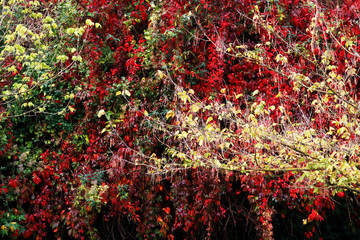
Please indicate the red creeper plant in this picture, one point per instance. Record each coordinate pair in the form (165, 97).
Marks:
(302, 116)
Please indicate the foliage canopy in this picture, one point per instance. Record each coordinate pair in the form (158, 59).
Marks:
(178, 119)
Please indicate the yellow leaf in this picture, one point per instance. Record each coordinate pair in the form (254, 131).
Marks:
(146, 113)
(195, 108)
(12, 69)
(169, 114)
(77, 58)
(89, 22)
(238, 96)
(196, 9)
(252, 118)
(127, 93)
(217, 163)
(201, 140)
(160, 74)
(183, 96)
(344, 119)
(118, 93)
(209, 127)
(341, 130)
(191, 91)
(72, 109)
(101, 113)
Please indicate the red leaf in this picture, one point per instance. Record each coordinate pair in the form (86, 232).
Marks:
(166, 210)
(36, 179)
(340, 194)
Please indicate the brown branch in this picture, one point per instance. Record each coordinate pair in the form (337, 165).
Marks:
(275, 170)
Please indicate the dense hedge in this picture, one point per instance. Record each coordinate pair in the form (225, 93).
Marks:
(94, 95)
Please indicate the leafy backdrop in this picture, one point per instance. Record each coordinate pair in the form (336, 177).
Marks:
(179, 119)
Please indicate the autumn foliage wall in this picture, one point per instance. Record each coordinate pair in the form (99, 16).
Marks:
(76, 148)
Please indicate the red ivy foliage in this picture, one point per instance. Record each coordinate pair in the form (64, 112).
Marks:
(88, 177)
